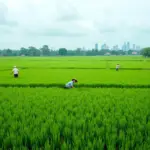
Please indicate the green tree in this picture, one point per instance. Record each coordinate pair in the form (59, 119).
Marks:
(33, 51)
(15, 53)
(7, 52)
(63, 51)
(45, 50)
(146, 52)
(130, 52)
(24, 51)
(114, 52)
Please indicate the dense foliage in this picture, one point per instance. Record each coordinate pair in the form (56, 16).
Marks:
(146, 52)
(77, 119)
(46, 51)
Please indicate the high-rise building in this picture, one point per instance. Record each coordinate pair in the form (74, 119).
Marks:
(107, 47)
(104, 47)
(116, 47)
(128, 46)
(138, 48)
(134, 47)
(83, 48)
(113, 48)
(96, 46)
(124, 47)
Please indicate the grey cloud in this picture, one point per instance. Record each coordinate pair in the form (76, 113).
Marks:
(144, 30)
(3, 17)
(87, 20)
(113, 27)
(67, 12)
(5, 30)
(55, 32)
(8, 23)
(139, 29)
(68, 17)
(107, 30)
(3, 12)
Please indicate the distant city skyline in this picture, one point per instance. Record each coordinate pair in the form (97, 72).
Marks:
(126, 46)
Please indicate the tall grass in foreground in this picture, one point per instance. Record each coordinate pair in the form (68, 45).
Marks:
(74, 119)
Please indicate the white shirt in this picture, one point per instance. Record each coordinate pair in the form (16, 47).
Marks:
(117, 66)
(69, 84)
(15, 71)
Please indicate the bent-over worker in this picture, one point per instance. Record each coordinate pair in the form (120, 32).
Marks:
(71, 84)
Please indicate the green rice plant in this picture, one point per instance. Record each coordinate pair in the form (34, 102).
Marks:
(53, 71)
(85, 118)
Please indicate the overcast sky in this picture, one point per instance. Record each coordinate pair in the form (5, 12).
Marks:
(73, 23)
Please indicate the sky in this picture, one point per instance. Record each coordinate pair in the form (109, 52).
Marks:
(73, 23)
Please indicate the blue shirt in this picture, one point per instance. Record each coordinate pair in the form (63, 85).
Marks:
(69, 84)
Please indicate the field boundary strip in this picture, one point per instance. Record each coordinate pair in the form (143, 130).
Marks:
(84, 68)
(78, 86)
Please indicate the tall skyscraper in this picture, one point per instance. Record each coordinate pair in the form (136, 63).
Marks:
(124, 47)
(96, 46)
(104, 47)
(138, 48)
(116, 47)
(128, 46)
(134, 47)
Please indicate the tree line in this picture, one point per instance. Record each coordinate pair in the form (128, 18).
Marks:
(46, 51)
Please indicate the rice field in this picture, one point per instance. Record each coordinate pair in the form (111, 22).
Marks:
(86, 117)
(88, 70)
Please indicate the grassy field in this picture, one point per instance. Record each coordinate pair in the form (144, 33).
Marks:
(77, 119)
(37, 118)
(88, 70)
(74, 62)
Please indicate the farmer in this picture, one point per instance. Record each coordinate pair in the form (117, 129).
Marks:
(15, 71)
(70, 84)
(117, 67)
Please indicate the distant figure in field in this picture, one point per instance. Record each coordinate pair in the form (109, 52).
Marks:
(15, 71)
(70, 84)
(117, 67)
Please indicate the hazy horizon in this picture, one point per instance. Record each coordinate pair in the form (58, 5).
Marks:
(73, 24)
